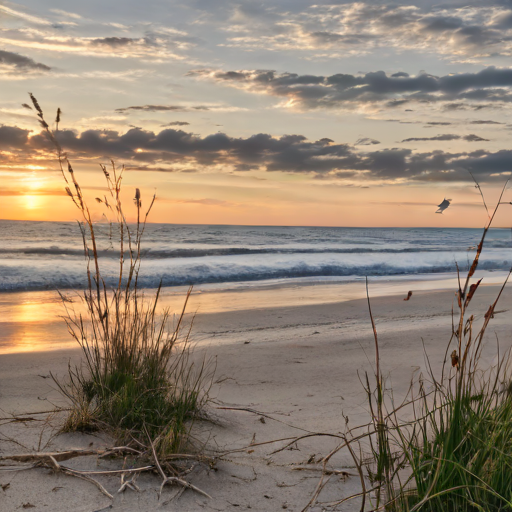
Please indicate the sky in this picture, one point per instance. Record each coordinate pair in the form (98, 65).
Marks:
(273, 112)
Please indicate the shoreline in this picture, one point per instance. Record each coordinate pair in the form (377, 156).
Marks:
(29, 319)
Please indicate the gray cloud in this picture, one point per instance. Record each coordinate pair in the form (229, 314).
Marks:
(148, 41)
(13, 137)
(366, 141)
(177, 150)
(447, 137)
(338, 29)
(455, 91)
(483, 121)
(457, 30)
(114, 42)
(474, 138)
(162, 108)
(21, 62)
(465, 106)
(444, 137)
(176, 123)
(261, 151)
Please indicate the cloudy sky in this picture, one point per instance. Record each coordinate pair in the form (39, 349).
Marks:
(286, 112)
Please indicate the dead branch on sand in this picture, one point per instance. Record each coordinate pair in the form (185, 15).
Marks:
(51, 460)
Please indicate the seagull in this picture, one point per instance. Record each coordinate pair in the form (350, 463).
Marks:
(442, 207)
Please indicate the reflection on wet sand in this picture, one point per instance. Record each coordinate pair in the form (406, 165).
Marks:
(32, 321)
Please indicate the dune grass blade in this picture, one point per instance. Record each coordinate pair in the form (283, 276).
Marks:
(138, 376)
(448, 445)
(458, 448)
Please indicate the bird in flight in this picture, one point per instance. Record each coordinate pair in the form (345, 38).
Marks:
(442, 207)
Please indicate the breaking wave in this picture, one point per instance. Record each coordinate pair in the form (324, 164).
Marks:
(40, 256)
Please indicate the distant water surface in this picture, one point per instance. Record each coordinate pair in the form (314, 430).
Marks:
(49, 255)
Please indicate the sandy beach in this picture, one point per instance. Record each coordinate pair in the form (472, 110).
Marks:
(296, 365)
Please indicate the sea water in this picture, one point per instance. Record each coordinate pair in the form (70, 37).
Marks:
(49, 255)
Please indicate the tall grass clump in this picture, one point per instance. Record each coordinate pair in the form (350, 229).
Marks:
(458, 447)
(138, 378)
(448, 445)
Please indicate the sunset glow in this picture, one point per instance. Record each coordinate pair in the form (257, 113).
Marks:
(346, 114)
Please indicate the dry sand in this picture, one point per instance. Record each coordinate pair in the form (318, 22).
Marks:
(295, 364)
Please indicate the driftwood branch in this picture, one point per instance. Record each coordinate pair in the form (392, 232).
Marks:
(45, 456)
(172, 479)
(51, 460)
(53, 464)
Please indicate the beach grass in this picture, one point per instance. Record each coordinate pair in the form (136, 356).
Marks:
(447, 446)
(454, 453)
(138, 379)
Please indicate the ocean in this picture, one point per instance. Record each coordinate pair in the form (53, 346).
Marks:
(37, 256)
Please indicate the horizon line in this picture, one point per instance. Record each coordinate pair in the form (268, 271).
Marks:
(272, 225)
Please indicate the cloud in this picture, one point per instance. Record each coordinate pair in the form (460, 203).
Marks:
(356, 28)
(474, 138)
(115, 42)
(438, 123)
(401, 121)
(483, 121)
(328, 30)
(175, 123)
(176, 150)
(100, 47)
(20, 62)
(148, 41)
(162, 108)
(464, 106)
(366, 141)
(12, 137)
(447, 137)
(66, 14)
(478, 90)
(443, 137)
(24, 16)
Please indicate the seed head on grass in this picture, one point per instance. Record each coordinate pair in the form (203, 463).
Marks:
(453, 450)
(138, 376)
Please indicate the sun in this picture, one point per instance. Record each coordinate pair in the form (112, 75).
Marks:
(32, 198)
(32, 202)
